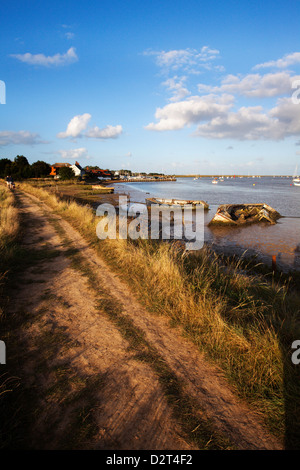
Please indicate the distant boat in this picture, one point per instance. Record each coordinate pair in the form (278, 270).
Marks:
(296, 178)
(175, 202)
(215, 181)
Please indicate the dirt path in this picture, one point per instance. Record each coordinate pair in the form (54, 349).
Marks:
(82, 367)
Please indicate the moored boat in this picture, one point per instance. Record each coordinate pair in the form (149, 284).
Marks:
(242, 214)
(171, 202)
(296, 178)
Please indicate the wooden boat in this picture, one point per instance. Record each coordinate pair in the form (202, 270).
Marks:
(102, 189)
(242, 214)
(171, 202)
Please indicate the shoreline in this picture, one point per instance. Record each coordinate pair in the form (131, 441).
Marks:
(248, 255)
(223, 240)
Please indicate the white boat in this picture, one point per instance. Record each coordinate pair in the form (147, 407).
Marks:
(296, 178)
(215, 181)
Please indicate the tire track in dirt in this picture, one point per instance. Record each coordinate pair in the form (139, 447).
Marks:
(203, 382)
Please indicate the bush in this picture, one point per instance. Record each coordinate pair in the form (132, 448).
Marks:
(66, 173)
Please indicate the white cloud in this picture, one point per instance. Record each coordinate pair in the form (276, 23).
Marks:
(253, 123)
(285, 61)
(288, 115)
(74, 154)
(193, 110)
(189, 60)
(69, 35)
(217, 120)
(76, 126)
(176, 86)
(254, 85)
(46, 61)
(79, 123)
(218, 111)
(108, 132)
(19, 138)
(245, 124)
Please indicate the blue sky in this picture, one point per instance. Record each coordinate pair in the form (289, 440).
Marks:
(171, 86)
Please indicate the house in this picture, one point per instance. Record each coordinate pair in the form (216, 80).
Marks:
(78, 170)
(100, 174)
(55, 168)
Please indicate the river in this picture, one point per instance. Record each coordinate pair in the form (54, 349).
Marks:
(281, 239)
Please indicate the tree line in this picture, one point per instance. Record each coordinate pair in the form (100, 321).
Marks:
(20, 168)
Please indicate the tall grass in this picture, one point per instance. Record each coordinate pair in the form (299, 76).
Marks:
(242, 321)
(9, 221)
(9, 229)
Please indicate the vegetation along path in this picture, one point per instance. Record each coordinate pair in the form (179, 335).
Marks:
(99, 370)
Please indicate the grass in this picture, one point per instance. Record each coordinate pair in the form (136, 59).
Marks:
(243, 321)
(9, 231)
(9, 226)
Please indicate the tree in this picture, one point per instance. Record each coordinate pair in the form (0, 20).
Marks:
(40, 169)
(5, 167)
(21, 168)
(21, 161)
(66, 173)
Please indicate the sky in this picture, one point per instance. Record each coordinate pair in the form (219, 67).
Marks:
(179, 87)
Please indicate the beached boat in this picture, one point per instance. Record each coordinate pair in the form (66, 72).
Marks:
(242, 214)
(102, 189)
(171, 202)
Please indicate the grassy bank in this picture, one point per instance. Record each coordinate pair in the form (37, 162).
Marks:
(244, 322)
(9, 229)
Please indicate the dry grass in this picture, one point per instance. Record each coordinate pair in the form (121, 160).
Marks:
(244, 322)
(8, 217)
(9, 229)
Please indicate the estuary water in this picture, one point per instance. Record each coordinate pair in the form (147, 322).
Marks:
(281, 240)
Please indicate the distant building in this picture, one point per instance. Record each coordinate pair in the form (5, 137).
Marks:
(55, 168)
(100, 174)
(77, 169)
